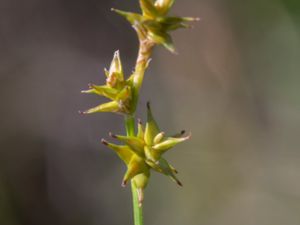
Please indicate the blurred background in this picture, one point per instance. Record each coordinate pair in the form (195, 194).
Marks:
(235, 84)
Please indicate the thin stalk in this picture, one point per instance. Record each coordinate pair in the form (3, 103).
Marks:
(144, 54)
(129, 125)
(137, 210)
(143, 59)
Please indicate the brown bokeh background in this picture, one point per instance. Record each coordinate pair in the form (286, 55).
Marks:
(235, 85)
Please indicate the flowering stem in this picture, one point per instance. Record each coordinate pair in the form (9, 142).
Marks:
(142, 151)
(143, 58)
(129, 125)
(137, 210)
(144, 54)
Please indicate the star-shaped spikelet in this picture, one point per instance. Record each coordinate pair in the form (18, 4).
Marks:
(154, 24)
(117, 89)
(144, 151)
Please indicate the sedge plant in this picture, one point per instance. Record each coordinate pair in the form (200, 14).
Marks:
(143, 148)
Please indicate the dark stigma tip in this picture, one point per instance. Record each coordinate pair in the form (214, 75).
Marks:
(103, 141)
(112, 135)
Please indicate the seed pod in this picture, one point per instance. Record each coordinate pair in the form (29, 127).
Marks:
(137, 169)
(115, 73)
(130, 16)
(112, 106)
(169, 143)
(103, 90)
(151, 127)
(140, 133)
(136, 144)
(123, 151)
(163, 6)
(158, 138)
(140, 182)
(148, 8)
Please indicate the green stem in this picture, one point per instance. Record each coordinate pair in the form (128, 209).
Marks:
(144, 54)
(137, 210)
(129, 125)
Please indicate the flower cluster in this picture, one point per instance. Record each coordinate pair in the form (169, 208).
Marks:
(154, 24)
(117, 89)
(143, 152)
